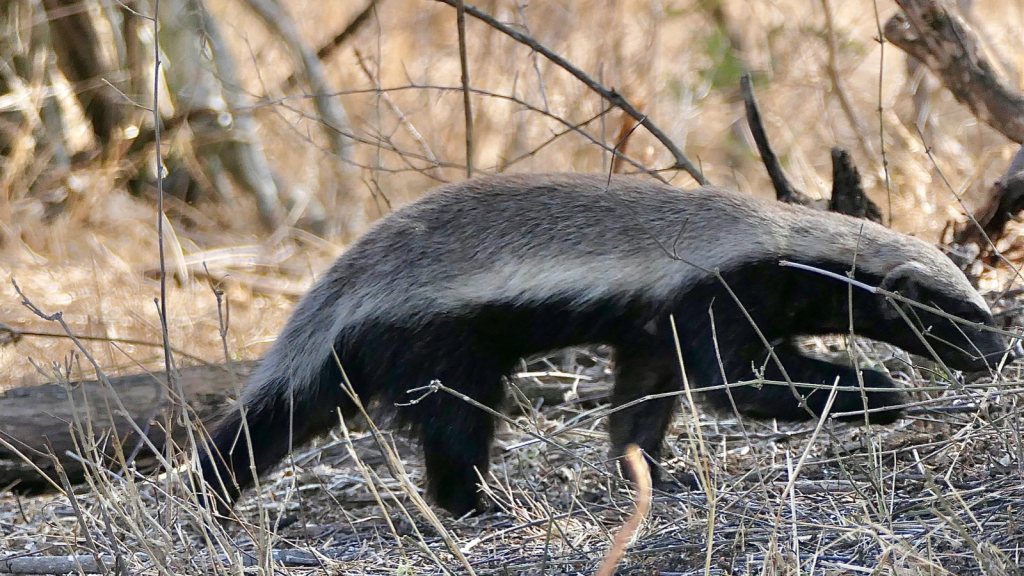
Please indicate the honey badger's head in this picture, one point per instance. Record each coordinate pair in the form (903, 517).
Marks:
(969, 346)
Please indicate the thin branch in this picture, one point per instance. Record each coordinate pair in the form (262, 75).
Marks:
(576, 128)
(83, 525)
(410, 129)
(160, 218)
(881, 112)
(612, 96)
(339, 39)
(467, 103)
(15, 335)
(332, 115)
(100, 375)
(838, 86)
(87, 563)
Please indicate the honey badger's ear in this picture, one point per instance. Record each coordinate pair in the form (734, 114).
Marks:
(906, 280)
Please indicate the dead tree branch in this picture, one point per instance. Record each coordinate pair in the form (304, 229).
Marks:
(784, 190)
(312, 71)
(32, 416)
(338, 41)
(225, 133)
(847, 194)
(90, 564)
(333, 118)
(1005, 199)
(941, 39)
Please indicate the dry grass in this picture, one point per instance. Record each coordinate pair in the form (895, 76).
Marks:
(941, 493)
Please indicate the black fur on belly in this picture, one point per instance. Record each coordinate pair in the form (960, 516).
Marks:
(472, 350)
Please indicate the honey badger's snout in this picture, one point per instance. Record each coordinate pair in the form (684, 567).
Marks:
(992, 350)
(934, 313)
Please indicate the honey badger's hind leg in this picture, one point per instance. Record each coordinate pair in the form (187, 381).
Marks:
(455, 434)
(883, 397)
(639, 373)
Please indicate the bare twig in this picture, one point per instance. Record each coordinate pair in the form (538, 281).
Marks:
(332, 114)
(160, 218)
(339, 39)
(839, 87)
(985, 241)
(86, 533)
(87, 563)
(11, 335)
(612, 96)
(570, 127)
(847, 194)
(410, 129)
(881, 111)
(398, 471)
(16, 335)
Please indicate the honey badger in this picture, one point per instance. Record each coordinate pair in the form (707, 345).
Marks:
(460, 285)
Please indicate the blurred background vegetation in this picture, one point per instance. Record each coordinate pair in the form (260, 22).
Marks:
(288, 126)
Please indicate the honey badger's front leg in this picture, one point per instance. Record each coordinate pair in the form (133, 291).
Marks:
(741, 357)
(882, 395)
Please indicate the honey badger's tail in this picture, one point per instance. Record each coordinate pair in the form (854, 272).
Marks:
(245, 443)
(290, 399)
(261, 430)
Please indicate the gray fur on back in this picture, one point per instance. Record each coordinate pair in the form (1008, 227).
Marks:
(521, 239)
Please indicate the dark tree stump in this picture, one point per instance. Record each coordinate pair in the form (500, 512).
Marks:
(848, 195)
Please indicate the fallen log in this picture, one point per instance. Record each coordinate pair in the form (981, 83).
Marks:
(1004, 201)
(74, 418)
